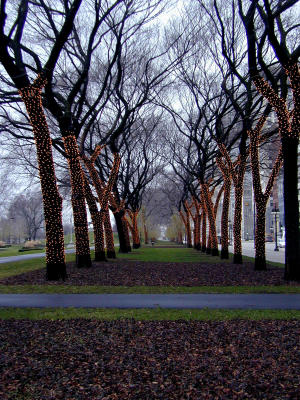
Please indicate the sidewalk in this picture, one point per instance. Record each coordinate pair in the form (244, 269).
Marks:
(271, 255)
(179, 301)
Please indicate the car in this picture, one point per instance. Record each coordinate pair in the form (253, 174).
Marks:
(268, 238)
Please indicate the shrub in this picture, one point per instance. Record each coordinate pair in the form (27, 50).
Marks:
(32, 244)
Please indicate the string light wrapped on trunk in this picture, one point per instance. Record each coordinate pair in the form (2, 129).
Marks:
(225, 209)
(261, 198)
(237, 172)
(133, 226)
(83, 257)
(97, 222)
(52, 201)
(104, 194)
(207, 197)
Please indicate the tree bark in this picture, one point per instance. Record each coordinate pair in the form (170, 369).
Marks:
(186, 221)
(121, 232)
(260, 248)
(261, 198)
(291, 209)
(109, 236)
(125, 227)
(52, 201)
(97, 223)
(203, 249)
(134, 228)
(83, 255)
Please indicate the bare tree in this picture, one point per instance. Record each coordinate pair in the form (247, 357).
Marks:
(276, 30)
(28, 209)
(16, 56)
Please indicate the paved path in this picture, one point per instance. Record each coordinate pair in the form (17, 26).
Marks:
(27, 256)
(271, 255)
(181, 301)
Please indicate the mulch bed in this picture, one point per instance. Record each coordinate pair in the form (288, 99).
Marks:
(137, 273)
(126, 359)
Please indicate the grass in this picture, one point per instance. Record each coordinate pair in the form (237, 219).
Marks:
(14, 251)
(68, 289)
(179, 255)
(18, 267)
(146, 314)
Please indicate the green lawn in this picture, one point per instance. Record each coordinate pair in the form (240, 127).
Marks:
(145, 289)
(144, 314)
(14, 251)
(179, 255)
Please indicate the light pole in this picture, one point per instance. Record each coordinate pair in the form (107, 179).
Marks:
(71, 223)
(230, 233)
(275, 213)
(254, 216)
(10, 230)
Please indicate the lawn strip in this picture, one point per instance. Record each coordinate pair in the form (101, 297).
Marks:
(19, 267)
(67, 289)
(144, 314)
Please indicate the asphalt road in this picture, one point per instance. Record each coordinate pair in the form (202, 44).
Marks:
(179, 301)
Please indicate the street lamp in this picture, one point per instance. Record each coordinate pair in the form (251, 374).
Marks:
(10, 230)
(275, 213)
(230, 233)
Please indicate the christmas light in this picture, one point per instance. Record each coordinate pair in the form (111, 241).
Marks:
(133, 226)
(261, 198)
(52, 201)
(213, 241)
(203, 218)
(83, 257)
(237, 172)
(97, 222)
(225, 209)
(104, 195)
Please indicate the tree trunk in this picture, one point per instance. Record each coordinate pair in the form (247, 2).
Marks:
(186, 221)
(52, 201)
(121, 231)
(212, 220)
(110, 247)
(291, 208)
(237, 224)
(208, 245)
(83, 255)
(224, 220)
(180, 239)
(125, 228)
(203, 231)
(197, 245)
(146, 234)
(135, 233)
(97, 223)
(260, 227)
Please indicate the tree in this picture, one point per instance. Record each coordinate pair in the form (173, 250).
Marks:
(276, 29)
(29, 209)
(13, 56)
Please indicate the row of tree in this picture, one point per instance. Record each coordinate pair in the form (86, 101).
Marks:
(97, 85)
